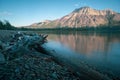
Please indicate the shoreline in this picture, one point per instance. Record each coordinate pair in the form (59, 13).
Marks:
(84, 70)
(45, 68)
(24, 61)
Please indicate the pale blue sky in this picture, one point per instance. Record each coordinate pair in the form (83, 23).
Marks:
(26, 12)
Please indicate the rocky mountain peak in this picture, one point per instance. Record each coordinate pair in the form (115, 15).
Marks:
(89, 11)
(82, 17)
(47, 21)
(82, 9)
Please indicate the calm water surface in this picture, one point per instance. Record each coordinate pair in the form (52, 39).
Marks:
(99, 50)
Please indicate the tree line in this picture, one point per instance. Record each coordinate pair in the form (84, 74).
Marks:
(5, 25)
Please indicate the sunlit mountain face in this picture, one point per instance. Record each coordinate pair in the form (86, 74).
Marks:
(82, 17)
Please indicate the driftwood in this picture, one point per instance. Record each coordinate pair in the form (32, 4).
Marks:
(20, 43)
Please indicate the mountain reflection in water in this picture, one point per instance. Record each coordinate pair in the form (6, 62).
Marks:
(100, 49)
(87, 43)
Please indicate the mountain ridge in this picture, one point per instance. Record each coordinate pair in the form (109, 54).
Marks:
(82, 17)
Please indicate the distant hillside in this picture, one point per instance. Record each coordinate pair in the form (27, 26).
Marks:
(83, 17)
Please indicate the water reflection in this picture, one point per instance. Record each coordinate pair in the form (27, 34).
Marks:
(100, 49)
(87, 43)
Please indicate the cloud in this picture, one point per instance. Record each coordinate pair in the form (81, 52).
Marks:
(76, 5)
(5, 13)
(80, 4)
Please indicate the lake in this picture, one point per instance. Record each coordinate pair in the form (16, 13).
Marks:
(100, 51)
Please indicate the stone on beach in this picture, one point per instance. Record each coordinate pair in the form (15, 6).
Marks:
(2, 58)
(23, 60)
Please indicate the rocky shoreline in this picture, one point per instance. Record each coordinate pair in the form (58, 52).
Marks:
(23, 58)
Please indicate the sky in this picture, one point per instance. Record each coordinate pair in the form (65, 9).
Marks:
(26, 12)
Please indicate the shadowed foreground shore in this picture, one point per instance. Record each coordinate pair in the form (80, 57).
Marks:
(21, 58)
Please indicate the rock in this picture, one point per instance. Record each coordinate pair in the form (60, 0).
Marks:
(26, 66)
(17, 70)
(48, 59)
(16, 52)
(54, 75)
(2, 58)
(1, 45)
(16, 36)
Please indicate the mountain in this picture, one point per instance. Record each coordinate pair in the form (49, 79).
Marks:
(46, 22)
(82, 17)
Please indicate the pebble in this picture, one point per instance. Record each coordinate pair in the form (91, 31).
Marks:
(54, 75)
(2, 58)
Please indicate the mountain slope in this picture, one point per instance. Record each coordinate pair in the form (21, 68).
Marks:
(82, 17)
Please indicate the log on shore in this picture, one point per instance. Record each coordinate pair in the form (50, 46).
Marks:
(21, 42)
